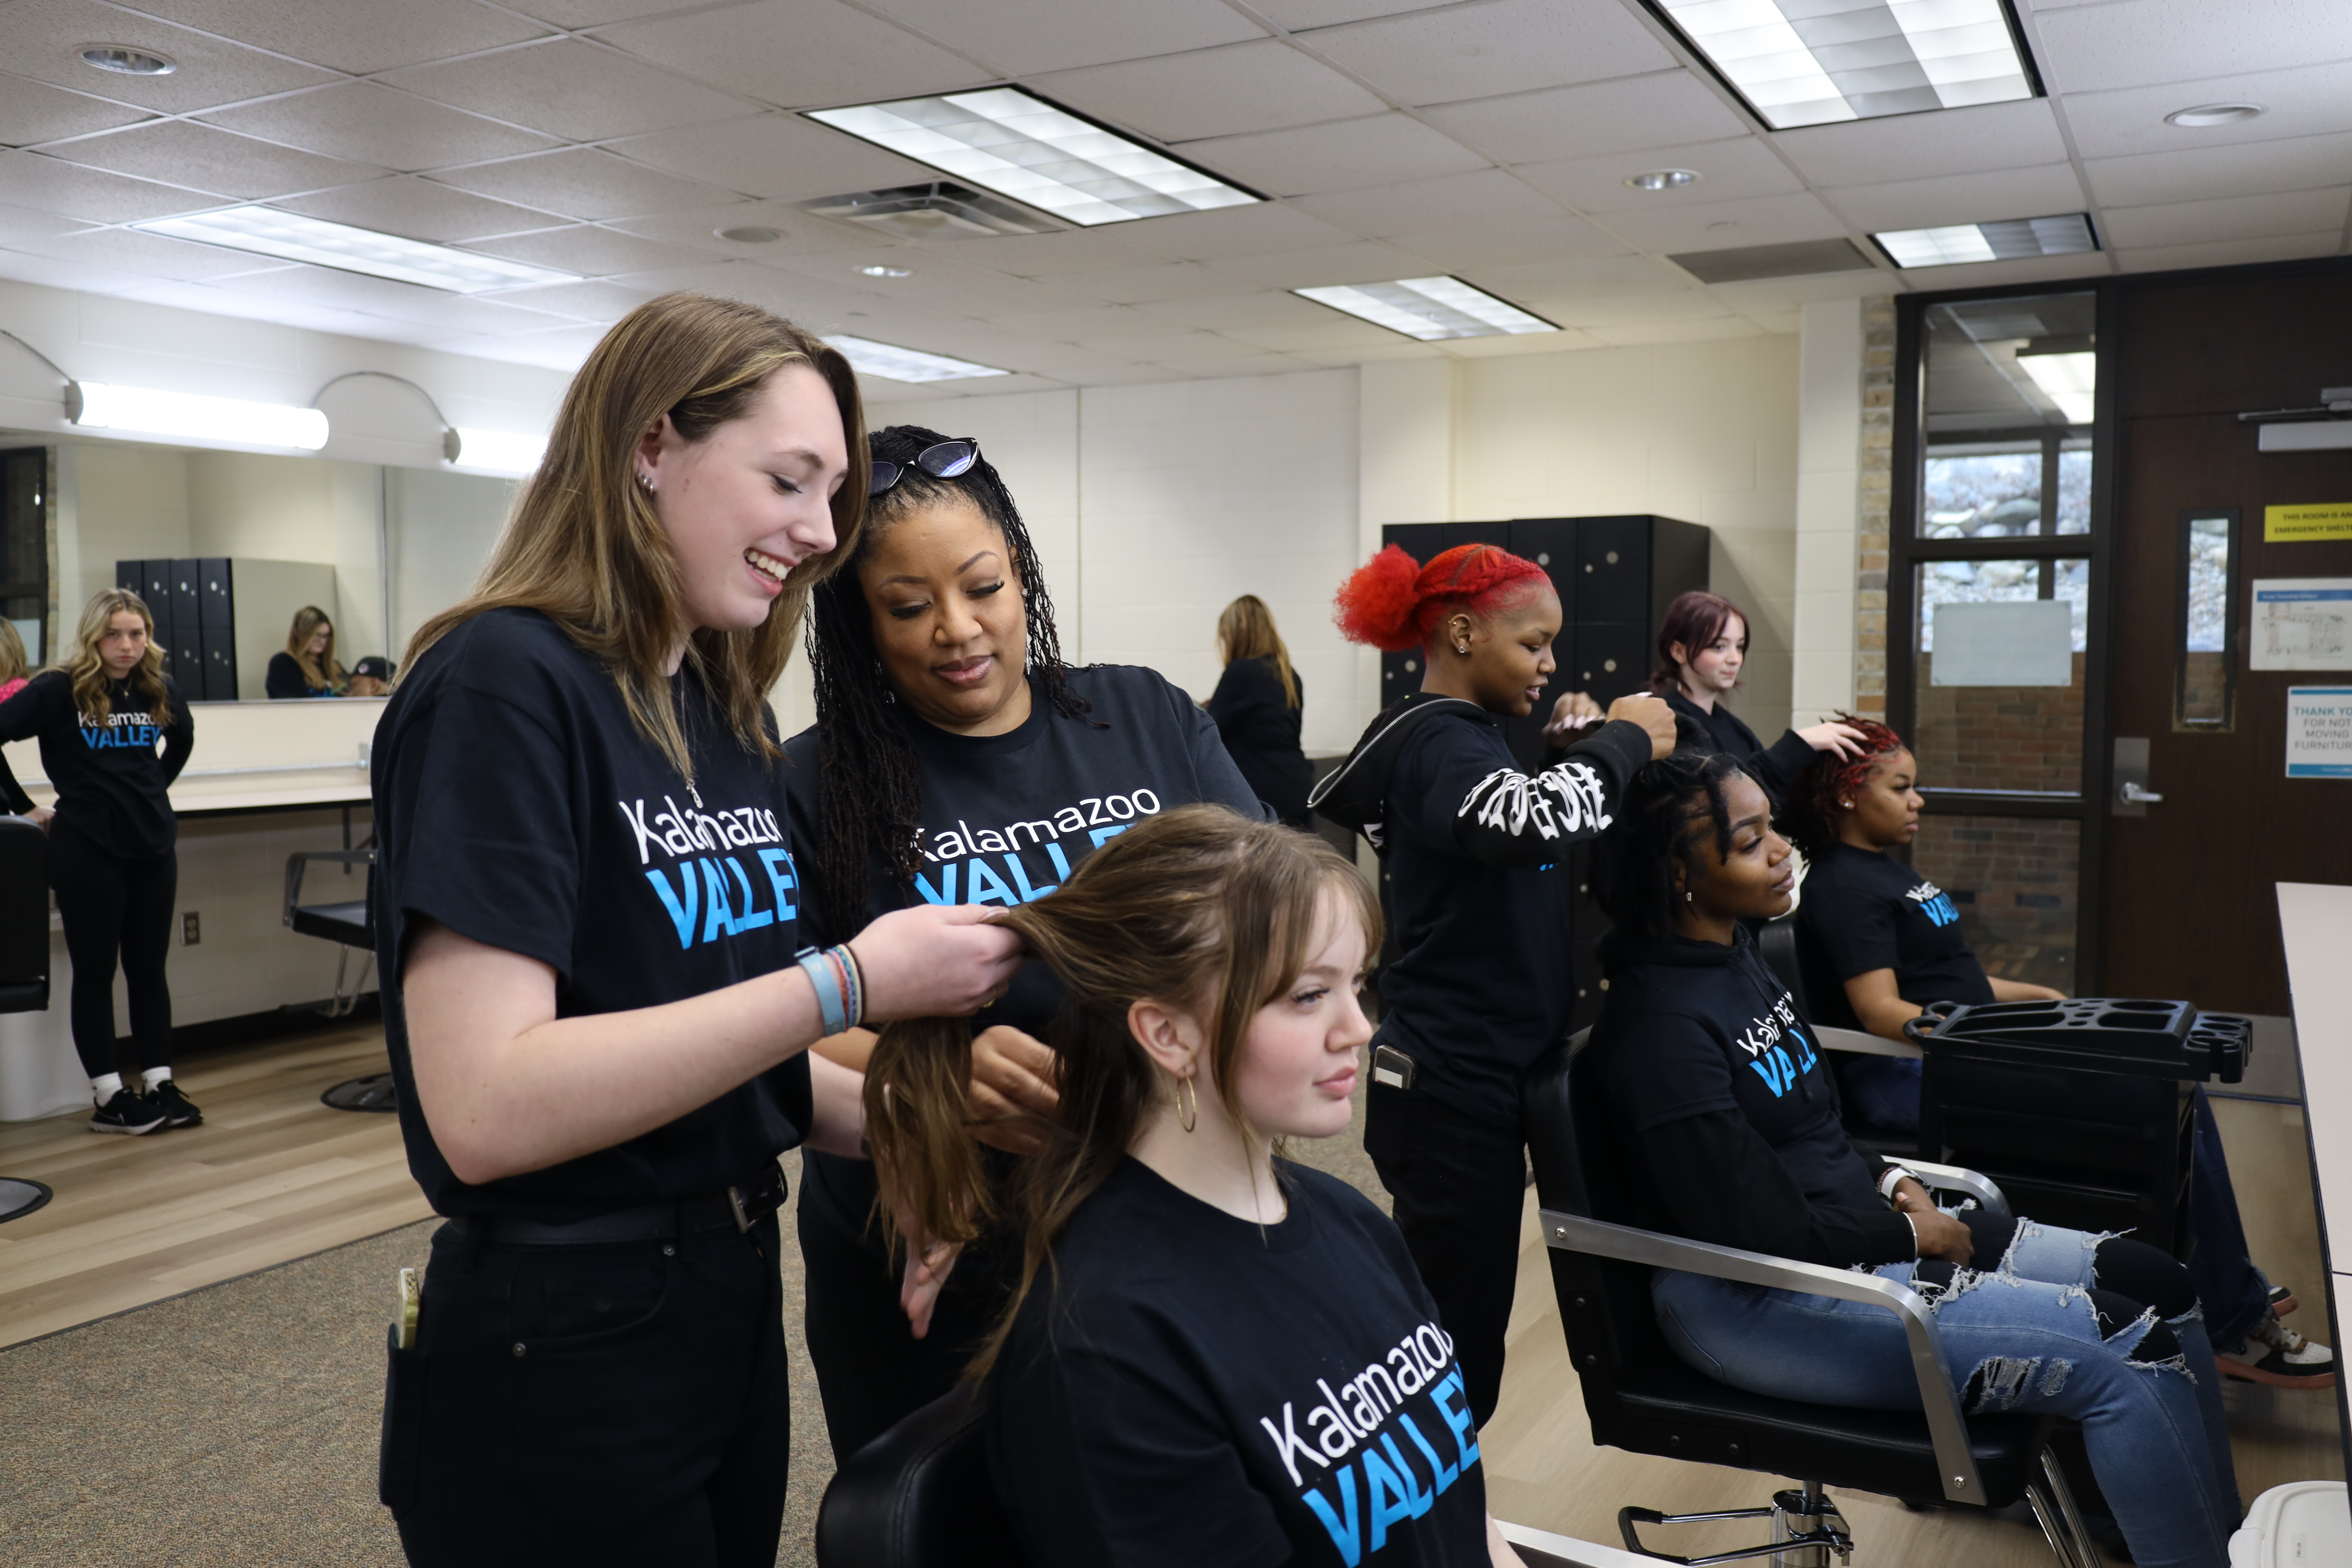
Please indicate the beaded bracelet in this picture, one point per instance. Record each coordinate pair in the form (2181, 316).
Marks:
(855, 979)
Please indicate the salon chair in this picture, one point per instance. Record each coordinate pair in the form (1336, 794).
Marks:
(1642, 1397)
(23, 958)
(1790, 958)
(350, 923)
(919, 1497)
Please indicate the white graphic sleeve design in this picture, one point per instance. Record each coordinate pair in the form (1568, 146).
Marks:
(1508, 810)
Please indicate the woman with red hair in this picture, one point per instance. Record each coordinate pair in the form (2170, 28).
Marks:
(1481, 984)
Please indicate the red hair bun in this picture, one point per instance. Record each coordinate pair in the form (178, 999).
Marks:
(1395, 604)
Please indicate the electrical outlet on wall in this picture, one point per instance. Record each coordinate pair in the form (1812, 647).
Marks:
(192, 931)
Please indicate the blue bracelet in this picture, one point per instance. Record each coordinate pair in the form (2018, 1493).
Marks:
(831, 1003)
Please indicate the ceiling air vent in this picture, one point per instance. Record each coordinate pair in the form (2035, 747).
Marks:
(941, 210)
(1748, 263)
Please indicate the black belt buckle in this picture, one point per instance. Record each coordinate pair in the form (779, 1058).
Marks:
(755, 1205)
(743, 1219)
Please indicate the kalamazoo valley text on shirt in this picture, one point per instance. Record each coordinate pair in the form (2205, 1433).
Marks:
(977, 853)
(715, 895)
(138, 729)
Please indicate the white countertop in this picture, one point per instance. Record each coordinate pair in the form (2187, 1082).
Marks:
(2315, 922)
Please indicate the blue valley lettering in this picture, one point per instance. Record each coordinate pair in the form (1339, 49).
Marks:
(121, 730)
(1762, 1041)
(716, 894)
(1097, 817)
(1935, 903)
(1356, 1427)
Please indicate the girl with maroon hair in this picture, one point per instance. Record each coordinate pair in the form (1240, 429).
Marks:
(1474, 848)
(1702, 644)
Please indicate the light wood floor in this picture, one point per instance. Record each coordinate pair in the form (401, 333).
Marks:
(271, 1176)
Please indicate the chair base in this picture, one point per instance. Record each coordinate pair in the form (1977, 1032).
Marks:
(376, 1093)
(1806, 1530)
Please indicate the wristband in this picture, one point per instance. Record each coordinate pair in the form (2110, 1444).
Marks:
(833, 1005)
(1892, 1177)
(853, 981)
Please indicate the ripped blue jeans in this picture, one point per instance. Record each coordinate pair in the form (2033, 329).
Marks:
(2022, 1337)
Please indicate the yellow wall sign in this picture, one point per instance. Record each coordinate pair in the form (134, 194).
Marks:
(2303, 524)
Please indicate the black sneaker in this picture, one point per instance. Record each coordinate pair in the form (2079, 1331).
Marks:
(178, 1109)
(129, 1112)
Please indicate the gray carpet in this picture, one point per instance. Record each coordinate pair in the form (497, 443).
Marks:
(236, 1425)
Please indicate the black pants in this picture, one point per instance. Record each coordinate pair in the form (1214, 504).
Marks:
(1458, 1186)
(623, 1404)
(110, 906)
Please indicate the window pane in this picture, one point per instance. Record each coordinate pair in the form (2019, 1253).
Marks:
(1978, 493)
(2074, 487)
(2016, 881)
(2009, 390)
(1999, 737)
(2204, 697)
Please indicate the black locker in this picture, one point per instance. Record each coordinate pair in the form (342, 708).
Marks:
(132, 577)
(219, 644)
(157, 589)
(213, 596)
(188, 610)
(1612, 660)
(185, 659)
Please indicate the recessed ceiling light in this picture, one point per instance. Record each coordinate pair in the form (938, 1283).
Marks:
(752, 236)
(289, 237)
(124, 60)
(1430, 309)
(870, 358)
(878, 270)
(1020, 146)
(1800, 62)
(1661, 179)
(2067, 234)
(2206, 115)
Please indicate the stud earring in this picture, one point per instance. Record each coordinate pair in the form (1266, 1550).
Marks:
(1689, 896)
(644, 482)
(1462, 647)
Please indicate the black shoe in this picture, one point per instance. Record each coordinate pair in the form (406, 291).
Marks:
(178, 1109)
(129, 1112)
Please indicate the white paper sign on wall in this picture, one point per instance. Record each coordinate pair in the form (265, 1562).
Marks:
(2301, 623)
(2025, 642)
(2319, 731)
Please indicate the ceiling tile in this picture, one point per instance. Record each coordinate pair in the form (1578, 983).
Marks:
(204, 159)
(1027, 36)
(1685, 304)
(361, 121)
(24, 223)
(572, 89)
(47, 184)
(1102, 322)
(802, 298)
(2235, 217)
(595, 301)
(1134, 285)
(1726, 171)
(1043, 255)
(45, 37)
(801, 54)
(1298, 15)
(1991, 274)
(1166, 347)
(1471, 246)
(418, 209)
(2246, 168)
(1911, 146)
(1257, 85)
(1714, 226)
(1668, 108)
(797, 230)
(357, 38)
(1673, 332)
(1062, 359)
(2147, 43)
(1340, 156)
(558, 348)
(580, 181)
(780, 156)
(1960, 198)
(590, 251)
(937, 283)
(136, 252)
(1481, 197)
(1458, 52)
(1768, 296)
(1239, 364)
(601, 13)
(33, 111)
(1242, 312)
(1577, 279)
(2311, 102)
(1221, 232)
(2232, 252)
(1332, 333)
(1363, 261)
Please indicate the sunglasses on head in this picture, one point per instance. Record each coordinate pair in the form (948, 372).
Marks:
(947, 460)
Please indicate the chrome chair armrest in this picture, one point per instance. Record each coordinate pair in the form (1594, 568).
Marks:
(1960, 1179)
(298, 861)
(1937, 1398)
(1861, 1044)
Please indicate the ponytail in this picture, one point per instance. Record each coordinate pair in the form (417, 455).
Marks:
(1394, 604)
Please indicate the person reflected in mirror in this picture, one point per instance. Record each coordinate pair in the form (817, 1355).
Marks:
(15, 669)
(307, 667)
(1702, 647)
(1258, 704)
(1880, 940)
(99, 713)
(370, 677)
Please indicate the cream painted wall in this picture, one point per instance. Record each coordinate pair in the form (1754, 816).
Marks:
(1829, 474)
(440, 527)
(297, 508)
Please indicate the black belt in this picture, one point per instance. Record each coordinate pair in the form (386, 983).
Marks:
(741, 1207)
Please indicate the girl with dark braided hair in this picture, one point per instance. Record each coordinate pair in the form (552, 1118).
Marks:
(956, 760)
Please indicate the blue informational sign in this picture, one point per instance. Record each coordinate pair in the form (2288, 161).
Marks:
(2319, 731)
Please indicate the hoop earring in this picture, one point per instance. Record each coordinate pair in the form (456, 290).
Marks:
(1188, 1108)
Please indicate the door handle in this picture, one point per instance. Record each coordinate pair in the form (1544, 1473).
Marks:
(2131, 794)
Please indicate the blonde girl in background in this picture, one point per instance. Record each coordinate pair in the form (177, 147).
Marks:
(1258, 704)
(15, 669)
(307, 667)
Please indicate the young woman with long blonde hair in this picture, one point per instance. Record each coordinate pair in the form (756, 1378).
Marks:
(99, 714)
(1258, 705)
(307, 667)
(587, 920)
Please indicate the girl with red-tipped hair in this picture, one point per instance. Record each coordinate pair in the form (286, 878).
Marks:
(1481, 983)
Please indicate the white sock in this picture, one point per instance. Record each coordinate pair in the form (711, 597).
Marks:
(106, 1086)
(155, 1076)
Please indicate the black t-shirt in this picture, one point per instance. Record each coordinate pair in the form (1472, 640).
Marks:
(1863, 912)
(1481, 984)
(111, 786)
(517, 805)
(284, 678)
(1261, 732)
(1718, 729)
(1005, 817)
(1190, 1388)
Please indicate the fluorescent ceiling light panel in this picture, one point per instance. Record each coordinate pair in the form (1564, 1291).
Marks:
(289, 237)
(1429, 308)
(192, 418)
(2071, 380)
(1017, 145)
(499, 451)
(2012, 239)
(870, 358)
(1813, 62)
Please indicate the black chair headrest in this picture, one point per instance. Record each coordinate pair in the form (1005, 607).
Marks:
(919, 1497)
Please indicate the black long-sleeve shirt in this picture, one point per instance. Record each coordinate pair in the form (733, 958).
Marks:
(1260, 729)
(111, 786)
(1776, 766)
(1727, 1115)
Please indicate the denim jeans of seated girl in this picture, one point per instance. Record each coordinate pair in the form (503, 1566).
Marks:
(2021, 1338)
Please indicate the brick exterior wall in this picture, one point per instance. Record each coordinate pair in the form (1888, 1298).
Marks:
(1875, 506)
(2015, 880)
(1998, 737)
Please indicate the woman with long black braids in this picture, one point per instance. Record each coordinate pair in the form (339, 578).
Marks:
(956, 758)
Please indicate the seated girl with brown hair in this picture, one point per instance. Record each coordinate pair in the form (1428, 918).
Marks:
(1215, 1355)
